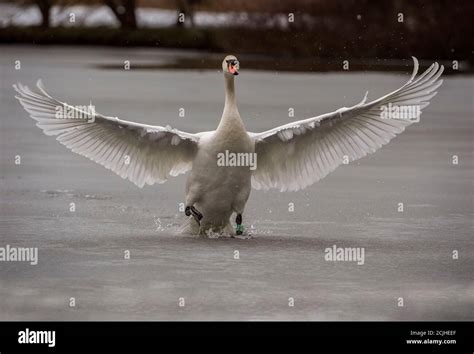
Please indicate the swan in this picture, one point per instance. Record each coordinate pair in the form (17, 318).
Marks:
(289, 157)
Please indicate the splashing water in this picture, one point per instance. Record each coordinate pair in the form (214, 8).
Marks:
(158, 224)
(254, 230)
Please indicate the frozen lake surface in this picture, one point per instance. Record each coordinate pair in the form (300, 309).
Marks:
(408, 254)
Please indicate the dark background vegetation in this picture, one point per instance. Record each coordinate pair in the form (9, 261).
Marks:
(441, 29)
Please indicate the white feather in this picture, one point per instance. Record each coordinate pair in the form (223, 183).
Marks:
(320, 146)
(144, 154)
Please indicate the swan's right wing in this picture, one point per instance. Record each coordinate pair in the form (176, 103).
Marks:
(296, 155)
(144, 154)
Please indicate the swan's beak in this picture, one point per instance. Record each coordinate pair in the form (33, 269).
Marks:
(233, 67)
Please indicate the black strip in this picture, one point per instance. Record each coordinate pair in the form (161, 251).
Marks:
(219, 337)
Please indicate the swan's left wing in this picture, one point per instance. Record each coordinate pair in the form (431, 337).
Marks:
(295, 155)
(144, 154)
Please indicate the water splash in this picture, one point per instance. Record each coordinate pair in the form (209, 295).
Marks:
(160, 225)
(260, 230)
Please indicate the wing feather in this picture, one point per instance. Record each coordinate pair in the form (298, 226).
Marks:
(144, 154)
(318, 145)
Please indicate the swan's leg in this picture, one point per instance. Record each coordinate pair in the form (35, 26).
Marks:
(196, 214)
(187, 211)
(239, 229)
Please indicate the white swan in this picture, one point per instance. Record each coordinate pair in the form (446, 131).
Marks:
(290, 157)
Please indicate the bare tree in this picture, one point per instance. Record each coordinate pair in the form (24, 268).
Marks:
(45, 9)
(124, 10)
(186, 8)
(44, 6)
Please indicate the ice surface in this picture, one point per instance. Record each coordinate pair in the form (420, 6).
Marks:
(81, 253)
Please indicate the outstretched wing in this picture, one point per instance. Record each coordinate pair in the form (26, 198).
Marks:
(144, 154)
(295, 155)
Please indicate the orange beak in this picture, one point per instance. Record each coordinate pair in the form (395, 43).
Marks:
(232, 69)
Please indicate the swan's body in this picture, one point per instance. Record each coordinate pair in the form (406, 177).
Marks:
(219, 191)
(290, 157)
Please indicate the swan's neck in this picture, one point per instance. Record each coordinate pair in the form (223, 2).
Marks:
(230, 116)
(230, 101)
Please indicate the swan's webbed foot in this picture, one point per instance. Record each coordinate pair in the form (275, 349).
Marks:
(239, 229)
(196, 214)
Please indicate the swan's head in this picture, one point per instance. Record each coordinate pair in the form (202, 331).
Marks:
(230, 65)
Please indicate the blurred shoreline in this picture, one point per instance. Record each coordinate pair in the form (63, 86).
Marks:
(209, 61)
(207, 43)
(322, 36)
(157, 58)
